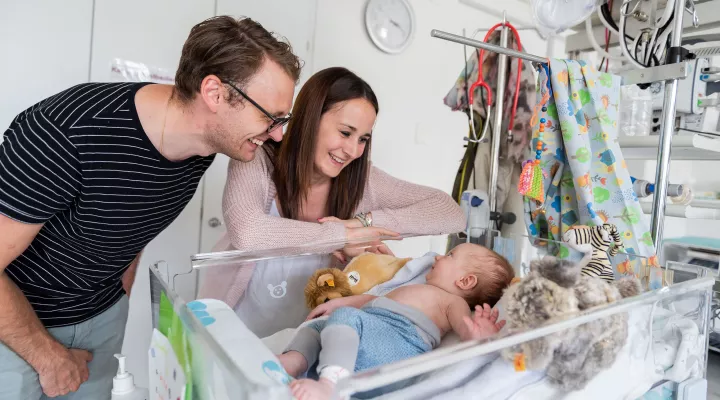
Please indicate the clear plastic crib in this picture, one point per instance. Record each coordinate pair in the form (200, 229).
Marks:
(225, 351)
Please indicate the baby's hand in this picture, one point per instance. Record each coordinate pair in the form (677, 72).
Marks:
(484, 323)
(327, 308)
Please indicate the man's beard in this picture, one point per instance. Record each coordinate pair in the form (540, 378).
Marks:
(226, 141)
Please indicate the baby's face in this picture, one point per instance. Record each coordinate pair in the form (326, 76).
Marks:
(450, 268)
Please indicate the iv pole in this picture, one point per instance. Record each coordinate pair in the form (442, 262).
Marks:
(672, 72)
(498, 119)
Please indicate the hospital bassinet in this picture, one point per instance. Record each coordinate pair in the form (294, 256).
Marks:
(224, 352)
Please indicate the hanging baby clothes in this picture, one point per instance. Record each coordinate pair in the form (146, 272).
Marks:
(584, 176)
(511, 153)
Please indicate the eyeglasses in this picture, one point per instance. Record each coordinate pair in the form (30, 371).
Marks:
(276, 122)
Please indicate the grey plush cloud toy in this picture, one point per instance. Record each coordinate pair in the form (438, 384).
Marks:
(552, 291)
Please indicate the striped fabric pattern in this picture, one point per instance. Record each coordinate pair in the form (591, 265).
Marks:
(80, 163)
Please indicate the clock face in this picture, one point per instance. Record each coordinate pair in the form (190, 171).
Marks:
(390, 24)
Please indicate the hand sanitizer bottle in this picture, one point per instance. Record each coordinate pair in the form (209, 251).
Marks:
(124, 386)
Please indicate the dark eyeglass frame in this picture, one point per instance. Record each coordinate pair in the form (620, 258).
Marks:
(276, 122)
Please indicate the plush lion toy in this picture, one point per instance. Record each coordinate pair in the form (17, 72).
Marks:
(553, 291)
(360, 275)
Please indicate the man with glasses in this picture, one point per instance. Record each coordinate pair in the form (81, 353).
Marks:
(91, 175)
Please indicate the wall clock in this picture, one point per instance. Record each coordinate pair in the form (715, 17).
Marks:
(390, 24)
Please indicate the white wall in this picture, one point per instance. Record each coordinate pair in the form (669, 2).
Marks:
(44, 49)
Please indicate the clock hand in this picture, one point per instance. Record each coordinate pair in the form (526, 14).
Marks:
(392, 21)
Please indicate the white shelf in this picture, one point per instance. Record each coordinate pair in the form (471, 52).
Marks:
(681, 211)
(685, 146)
(705, 203)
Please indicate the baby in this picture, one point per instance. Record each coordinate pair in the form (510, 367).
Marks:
(365, 331)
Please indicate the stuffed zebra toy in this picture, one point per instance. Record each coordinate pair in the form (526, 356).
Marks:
(597, 242)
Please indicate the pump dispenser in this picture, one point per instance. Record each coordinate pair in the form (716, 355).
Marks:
(124, 385)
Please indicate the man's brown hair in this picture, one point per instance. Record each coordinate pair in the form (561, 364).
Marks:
(231, 49)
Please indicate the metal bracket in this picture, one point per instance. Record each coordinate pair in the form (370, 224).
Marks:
(655, 74)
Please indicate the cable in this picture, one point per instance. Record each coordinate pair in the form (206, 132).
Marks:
(635, 45)
(605, 16)
(662, 43)
(607, 43)
(630, 14)
(602, 19)
(663, 30)
(650, 49)
(595, 45)
(621, 30)
(668, 13)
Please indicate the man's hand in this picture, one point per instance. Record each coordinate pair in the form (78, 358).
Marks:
(60, 370)
(64, 371)
(484, 323)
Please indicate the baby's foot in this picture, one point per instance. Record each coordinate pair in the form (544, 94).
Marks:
(308, 389)
(294, 363)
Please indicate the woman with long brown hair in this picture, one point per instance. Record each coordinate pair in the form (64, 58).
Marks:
(318, 185)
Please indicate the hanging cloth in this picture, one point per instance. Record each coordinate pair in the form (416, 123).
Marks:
(456, 98)
(474, 172)
(585, 179)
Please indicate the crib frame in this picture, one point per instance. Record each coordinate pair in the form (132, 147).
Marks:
(465, 351)
(242, 387)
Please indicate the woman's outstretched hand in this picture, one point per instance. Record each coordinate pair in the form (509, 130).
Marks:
(354, 230)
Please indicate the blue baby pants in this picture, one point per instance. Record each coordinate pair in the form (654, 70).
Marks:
(382, 332)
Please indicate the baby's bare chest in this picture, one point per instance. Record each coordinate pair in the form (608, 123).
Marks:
(427, 300)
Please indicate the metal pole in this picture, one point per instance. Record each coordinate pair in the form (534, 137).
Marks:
(498, 119)
(487, 46)
(630, 77)
(668, 129)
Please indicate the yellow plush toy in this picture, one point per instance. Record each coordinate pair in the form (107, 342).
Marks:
(360, 275)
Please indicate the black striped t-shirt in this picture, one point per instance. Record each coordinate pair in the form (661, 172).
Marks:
(80, 163)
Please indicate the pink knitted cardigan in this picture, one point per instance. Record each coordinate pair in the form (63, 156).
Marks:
(395, 204)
